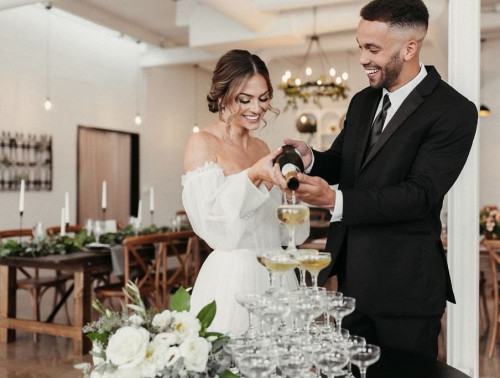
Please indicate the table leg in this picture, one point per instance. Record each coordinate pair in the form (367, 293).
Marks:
(82, 310)
(7, 301)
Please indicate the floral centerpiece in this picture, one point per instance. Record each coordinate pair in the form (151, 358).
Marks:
(143, 343)
(55, 245)
(489, 222)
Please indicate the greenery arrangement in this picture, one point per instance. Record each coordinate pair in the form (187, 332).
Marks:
(60, 245)
(143, 343)
(55, 245)
(312, 91)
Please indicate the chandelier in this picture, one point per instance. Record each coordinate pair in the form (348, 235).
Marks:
(311, 88)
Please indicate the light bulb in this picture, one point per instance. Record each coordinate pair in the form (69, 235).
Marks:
(297, 81)
(332, 72)
(288, 74)
(309, 71)
(338, 80)
(303, 119)
(345, 76)
(196, 129)
(319, 82)
(47, 104)
(138, 119)
(284, 78)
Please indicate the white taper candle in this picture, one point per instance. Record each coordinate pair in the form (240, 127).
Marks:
(63, 222)
(151, 199)
(103, 201)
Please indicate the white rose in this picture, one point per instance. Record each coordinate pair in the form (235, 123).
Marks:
(195, 351)
(127, 347)
(165, 339)
(161, 352)
(162, 320)
(185, 325)
(136, 320)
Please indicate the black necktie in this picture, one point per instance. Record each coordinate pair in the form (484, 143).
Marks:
(379, 120)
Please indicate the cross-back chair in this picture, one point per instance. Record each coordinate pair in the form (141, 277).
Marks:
(55, 230)
(35, 284)
(493, 247)
(158, 263)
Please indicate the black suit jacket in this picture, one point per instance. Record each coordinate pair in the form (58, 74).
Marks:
(387, 250)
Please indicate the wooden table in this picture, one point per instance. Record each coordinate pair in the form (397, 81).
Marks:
(82, 264)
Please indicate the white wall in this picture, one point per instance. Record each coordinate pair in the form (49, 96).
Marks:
(92, 83)
(489, 193)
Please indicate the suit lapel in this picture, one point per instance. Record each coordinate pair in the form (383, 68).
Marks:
(409, 105)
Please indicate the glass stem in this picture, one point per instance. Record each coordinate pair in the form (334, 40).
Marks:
(314, 278)
(291, 239)
(363, 372)
(302, 273)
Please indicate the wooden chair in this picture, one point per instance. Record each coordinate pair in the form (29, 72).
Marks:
(156, 276)
(55, 230)
(35, 284)
(493, 247)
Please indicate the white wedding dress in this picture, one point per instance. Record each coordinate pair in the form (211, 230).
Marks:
(237, 220)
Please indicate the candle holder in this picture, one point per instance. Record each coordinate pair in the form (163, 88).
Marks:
(103, 213)
(152, 217)
(20, 225)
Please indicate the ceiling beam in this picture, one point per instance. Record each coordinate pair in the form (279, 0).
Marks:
(110, 21)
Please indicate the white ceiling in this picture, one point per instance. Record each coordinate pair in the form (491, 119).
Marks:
(194, 31)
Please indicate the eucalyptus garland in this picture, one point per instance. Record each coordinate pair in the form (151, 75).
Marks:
(54, 245)
(61, 245)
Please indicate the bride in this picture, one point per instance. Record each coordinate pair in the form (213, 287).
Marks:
(228, 193)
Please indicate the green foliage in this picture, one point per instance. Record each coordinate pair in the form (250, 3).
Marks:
(55, 245)
(206, 315)
(311, 91)
(180, 301)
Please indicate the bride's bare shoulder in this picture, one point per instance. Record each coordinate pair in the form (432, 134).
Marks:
(201, 148)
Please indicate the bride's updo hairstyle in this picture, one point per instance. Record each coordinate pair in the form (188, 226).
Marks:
(231, 73)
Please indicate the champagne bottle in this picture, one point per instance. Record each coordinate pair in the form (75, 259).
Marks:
(290, 163)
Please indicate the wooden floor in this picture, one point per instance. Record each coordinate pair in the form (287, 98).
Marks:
(53, 356)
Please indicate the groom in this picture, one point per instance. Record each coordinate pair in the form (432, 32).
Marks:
(405, 140)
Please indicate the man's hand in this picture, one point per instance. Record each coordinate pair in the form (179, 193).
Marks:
(303, 148)
(313, 190)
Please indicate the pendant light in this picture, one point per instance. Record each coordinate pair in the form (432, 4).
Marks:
(138, 118)
(48, 102)
(195, 127)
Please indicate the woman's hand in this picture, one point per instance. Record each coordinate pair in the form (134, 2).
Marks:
(263, 170)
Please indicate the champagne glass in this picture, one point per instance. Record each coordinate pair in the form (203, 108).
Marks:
(279, 263)
(314, 263)
(302, 269)
(98, 230)
(365, 356)
(292, 213)
(272, 275)
(340, 309)
(249, 301)
(351, 344)
(38, 233)
(332, 361)
(332, 299)
(257, 365)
